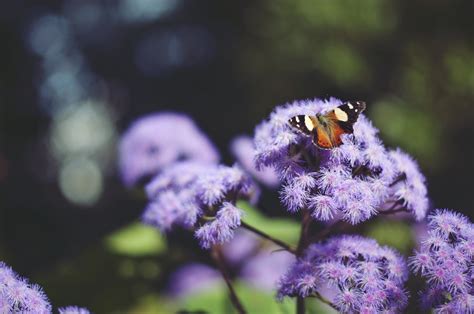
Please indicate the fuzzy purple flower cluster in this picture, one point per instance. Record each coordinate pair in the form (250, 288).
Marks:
(73, 310)
(158, 140)
(354, 273)
(18, 295)
(201, 197)
(351, 182)
(446, 260)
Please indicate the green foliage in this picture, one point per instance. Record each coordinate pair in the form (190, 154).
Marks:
(216, 300)
(136, 239)
(396, 234)
(423, 140)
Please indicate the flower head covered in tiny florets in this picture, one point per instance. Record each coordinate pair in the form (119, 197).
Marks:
(18, 295)
(158, 140)
(446, 259)
(357, 273)
(409, 187)
(351, 182)
(199, 196)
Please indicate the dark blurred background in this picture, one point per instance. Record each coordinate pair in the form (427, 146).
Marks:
(74, 74)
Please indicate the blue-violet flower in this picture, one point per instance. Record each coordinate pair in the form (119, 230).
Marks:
(200, 197)
(18, 295)
(73, 310)
(351, 182)
(157, 140)
(354, 273)
(446, 259)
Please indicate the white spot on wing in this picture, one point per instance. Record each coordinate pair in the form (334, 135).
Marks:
(350, 105)
(308, 123)
(341, 115)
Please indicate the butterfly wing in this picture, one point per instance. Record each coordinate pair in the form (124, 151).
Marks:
(303, 123)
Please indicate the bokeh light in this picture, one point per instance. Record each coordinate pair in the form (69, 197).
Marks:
(81, 181)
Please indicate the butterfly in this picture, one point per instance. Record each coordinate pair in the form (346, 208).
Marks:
(326, 129)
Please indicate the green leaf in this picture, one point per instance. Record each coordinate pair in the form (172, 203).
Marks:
(136, 239)
(216, 300)
(280, 228)
(315, 306)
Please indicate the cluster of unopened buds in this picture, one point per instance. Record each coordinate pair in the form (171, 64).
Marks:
(333, 171)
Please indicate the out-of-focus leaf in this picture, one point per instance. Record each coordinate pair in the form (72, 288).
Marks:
(314, 306)
(280, 228)
(397, 234)
(424, 138)
(211, 301)
(136, 239)
(152, 304)
(254, 300)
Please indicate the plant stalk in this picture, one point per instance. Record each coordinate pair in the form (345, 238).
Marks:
(217, 256)
(278, 242)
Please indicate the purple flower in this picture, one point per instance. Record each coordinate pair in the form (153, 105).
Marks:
(263, 270)
(354, 273)
(158, 140)
(352, 182)
(200, 197)
(18, 295)
(73, 310)
(193, 278)
(256, 264)
(243, 149)
(409, 188)
(446, 259)
(243, 246)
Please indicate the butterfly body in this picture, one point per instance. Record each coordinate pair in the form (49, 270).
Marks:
(326, 129)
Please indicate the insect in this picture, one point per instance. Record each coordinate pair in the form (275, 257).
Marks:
(326, 129)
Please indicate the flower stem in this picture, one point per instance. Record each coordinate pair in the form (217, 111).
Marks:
(328, 230)
(302, 243)
(300, 306)
(305, 224)
(268, 237)
(325, 301)
(393, 211)
(217, 256)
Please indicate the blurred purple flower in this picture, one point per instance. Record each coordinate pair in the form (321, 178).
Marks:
(73, 310)
(158, 140)
(17, 295)
(243, 246)
(353, 181)
(446, 259)
(198, 196)
(263, 270)
(354, 273)
(193, 278)
(243, 149)
(257, 265)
